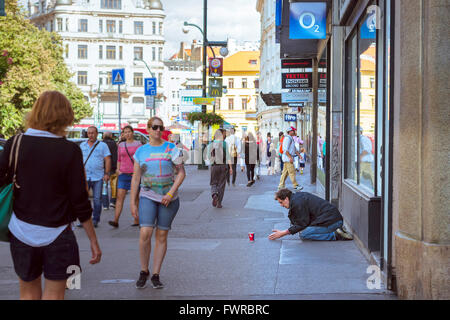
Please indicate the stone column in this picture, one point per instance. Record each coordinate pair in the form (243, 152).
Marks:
(421, 172)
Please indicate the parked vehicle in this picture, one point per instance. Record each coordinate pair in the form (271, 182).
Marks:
(79, 135)
(2, 145)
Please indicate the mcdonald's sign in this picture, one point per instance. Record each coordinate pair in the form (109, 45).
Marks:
(215, 87)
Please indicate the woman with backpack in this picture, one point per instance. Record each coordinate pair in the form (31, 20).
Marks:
(125, 165)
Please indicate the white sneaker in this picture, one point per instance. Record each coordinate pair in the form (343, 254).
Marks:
(298, 188)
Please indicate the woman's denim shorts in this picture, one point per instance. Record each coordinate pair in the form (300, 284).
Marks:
(124, 181)
(152, 213)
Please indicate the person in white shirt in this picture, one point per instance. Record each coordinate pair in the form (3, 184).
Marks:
(289, 151)
(234, 149)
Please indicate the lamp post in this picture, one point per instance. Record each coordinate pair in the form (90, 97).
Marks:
(101, 73)
(153, 76)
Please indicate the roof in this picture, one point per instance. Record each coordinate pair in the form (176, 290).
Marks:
(242, 61)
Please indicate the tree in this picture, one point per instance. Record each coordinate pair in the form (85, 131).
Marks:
(31, 62)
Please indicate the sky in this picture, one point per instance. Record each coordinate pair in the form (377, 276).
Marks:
(237, 19)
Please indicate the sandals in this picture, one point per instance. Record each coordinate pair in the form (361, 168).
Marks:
(114, 224)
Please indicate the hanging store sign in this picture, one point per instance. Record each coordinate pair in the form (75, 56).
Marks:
(295, 97)
(204, 101)
(307, 20)
(290, 117)
(296, 73)
(215, 87)
(323, 74)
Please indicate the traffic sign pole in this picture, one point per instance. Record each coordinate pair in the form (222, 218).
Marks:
(120, 111)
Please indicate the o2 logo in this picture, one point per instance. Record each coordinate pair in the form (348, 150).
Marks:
(308, 20)
(372, 24)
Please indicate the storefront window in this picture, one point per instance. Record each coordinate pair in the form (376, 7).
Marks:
(361, 111)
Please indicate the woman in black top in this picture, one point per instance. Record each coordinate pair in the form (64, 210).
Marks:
(251, 158)
(51, 194)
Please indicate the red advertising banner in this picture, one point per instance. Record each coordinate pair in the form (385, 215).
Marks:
(215, 67)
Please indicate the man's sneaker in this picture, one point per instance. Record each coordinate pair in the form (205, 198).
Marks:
(142, 281)
(95, 223)
(155, 282)
(112, 205)
(342, 235)
(298, 188)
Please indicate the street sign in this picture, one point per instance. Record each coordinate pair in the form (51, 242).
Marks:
(149, 102)
(308, 20)
(215, 87)
(204, 101)
(215, 67)
(150, 86)
(118, 76)
(2, 8)
(290, 117)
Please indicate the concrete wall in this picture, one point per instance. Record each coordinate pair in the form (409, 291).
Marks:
(421, 183)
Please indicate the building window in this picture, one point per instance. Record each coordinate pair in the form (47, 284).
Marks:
(100, 52)
(138, 53)
(82, 25)
(120, 26)
(138, 106)
(244, 83)
(111, 4)
(160, 53)
(110, 52)
(67, 24)
(230, 103)
(154, 54)
(160, 28)
(244, 103)
(138, 27)
(109, 78)
(82, 78)
(100, 26)
(120, 52)
(138, 79)
(360, 109)
(256, 82)
(160, 79)
(82, 51)
(217, 102)
(110, 26)
(67, 50)
(231, 83)
(59, 23)
(154, 27)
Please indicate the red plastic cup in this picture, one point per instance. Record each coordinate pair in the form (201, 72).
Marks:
(251, 236)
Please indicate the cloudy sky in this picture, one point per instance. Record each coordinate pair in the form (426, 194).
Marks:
(237, 19)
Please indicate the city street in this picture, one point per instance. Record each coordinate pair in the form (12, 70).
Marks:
(209, 254)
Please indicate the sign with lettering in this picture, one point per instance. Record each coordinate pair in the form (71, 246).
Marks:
(296, 73)
(215, 67)
(290, 117)
(308, 20)
(215, 87)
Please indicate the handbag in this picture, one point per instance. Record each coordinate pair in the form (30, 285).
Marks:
(7, 192)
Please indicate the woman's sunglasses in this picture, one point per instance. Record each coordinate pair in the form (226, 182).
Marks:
(155, 127)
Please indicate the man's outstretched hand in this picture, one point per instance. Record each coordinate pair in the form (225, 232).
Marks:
(278, 234)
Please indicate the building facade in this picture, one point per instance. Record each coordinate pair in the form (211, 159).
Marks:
(99, 36)
(382, 129)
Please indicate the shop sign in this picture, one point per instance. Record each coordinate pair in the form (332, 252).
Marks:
(204, 101)
(215, 67)
(307, 20)
(295, 97)
(296, 73)
(290, 117)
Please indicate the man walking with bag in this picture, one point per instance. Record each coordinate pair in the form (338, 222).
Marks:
(107, 202)
(289, 151)
(97, 163)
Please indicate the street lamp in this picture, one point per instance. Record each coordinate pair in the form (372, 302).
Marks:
(101, 73)
(153, 76)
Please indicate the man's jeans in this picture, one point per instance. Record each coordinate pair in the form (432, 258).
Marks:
(97, 194)
(321, 233)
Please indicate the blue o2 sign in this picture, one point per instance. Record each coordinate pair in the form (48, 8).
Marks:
(308, 20)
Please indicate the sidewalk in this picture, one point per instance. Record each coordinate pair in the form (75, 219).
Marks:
(209, 255)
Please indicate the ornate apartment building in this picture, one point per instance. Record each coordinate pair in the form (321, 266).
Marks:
(99, 36)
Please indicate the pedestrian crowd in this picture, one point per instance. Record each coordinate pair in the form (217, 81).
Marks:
(51, 178)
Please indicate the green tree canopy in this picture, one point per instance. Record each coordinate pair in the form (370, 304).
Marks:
(31, 62)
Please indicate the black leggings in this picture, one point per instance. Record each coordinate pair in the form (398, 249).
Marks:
(250, 172)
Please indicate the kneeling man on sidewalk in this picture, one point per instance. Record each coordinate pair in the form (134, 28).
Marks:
(313, 217)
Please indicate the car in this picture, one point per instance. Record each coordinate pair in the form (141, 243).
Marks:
(78, 135)
(2, 145)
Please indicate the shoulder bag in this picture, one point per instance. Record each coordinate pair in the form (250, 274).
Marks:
(91, 153)
(132, 160)
(7, 192)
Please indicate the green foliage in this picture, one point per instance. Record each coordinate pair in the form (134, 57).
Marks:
(207, 119)
(31, 62)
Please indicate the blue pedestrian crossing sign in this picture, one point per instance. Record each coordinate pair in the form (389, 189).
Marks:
(150, 86)
(118, 76)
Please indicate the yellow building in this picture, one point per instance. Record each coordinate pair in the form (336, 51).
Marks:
(241, 78)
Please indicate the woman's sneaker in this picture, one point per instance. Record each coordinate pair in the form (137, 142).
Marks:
(155, 282)
(142, 282)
